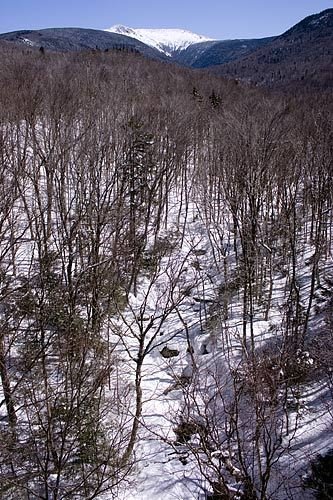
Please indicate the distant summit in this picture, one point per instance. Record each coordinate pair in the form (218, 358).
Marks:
(168, 41)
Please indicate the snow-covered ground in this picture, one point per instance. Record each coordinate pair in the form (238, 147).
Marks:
(165, 469)
(193, 355)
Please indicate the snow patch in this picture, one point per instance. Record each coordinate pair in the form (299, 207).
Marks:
(28, 42)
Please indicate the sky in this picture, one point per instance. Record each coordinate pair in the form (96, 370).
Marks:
(220, 19)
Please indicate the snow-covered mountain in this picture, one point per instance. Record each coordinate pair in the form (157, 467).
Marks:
(167, 41)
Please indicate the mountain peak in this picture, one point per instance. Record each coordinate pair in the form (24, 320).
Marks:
(166, 40)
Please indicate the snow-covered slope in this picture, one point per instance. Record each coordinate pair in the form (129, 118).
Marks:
(167, 41)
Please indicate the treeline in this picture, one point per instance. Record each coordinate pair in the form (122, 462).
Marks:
(93, 149)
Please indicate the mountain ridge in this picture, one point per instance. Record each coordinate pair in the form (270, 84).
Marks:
(302, 55)
(76, 39)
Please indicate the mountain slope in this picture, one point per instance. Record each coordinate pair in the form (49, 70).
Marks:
(206, 54)
(73, 39)
(168, 41)
(303, 54)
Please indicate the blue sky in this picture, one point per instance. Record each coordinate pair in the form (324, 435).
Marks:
(221, 19)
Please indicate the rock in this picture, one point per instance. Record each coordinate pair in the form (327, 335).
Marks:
(169, 353)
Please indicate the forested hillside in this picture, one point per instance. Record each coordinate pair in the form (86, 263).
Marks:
(299, 59)
(166, 283)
